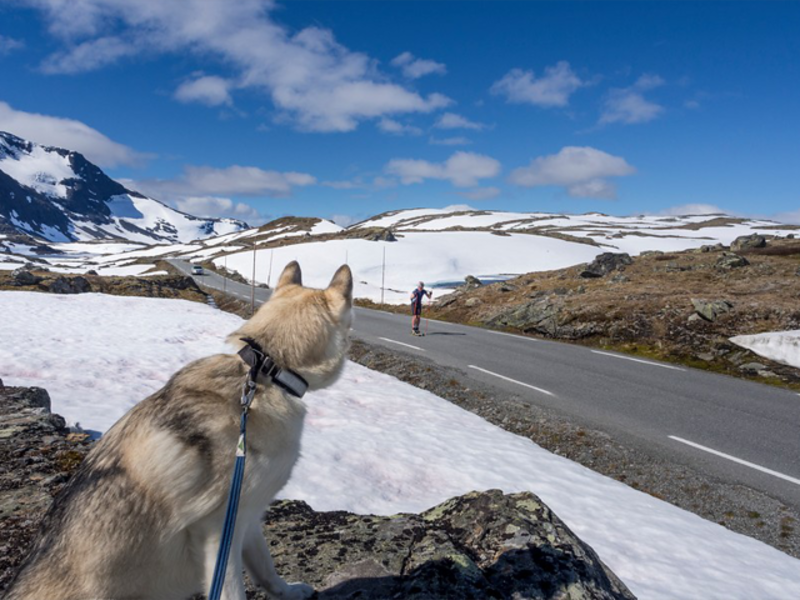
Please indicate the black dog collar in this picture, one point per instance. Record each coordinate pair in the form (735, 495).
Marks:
(261, 363)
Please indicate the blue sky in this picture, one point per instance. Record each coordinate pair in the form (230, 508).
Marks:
(258, 109)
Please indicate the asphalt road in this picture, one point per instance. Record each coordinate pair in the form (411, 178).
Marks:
(734, 430)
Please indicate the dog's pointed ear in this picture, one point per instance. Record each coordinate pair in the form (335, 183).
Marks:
(342, 283)
(291, 275)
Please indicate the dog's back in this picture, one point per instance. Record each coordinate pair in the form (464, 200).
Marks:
(141, 516)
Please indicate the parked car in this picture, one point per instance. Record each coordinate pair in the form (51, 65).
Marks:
(197, 270)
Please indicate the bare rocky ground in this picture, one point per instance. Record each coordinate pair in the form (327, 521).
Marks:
(35, 278)
(736, 507)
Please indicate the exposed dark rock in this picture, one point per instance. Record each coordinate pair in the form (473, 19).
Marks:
(480, 545)
(710, 310)
(606, 263)
(729, 260)
(23, 276)
(37, 456)
(472, 282)
(744, 242)
(70, 285)
(384, 235)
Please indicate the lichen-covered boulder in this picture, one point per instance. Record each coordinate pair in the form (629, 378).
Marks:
(605, 263)
(748, 241)
(480, 545)
(710, 310)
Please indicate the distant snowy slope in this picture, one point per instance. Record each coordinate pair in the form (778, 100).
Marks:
(442, 246)
(373, 444)
(60, 196)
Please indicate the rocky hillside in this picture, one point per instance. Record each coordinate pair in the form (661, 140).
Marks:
(36, 278)
(58, 195)
(481, 545)
(679, 307)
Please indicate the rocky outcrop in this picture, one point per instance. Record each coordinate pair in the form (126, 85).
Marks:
(37, 456)
(545, 315)
(710, 310)
(70, 285)
(481, 545)
(34, 278)
(729, 260)
(745, 242)
(605, 263)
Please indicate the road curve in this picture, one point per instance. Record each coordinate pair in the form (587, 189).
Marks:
(733, 430)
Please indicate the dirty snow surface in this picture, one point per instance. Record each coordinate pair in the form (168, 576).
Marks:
(373, 444)
(780, 346)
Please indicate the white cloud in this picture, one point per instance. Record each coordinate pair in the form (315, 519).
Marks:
(216, 207)
(581, 170)
(231, 181)
(69, 134)
(205, 89)
(311, 79)
(478, 194)
(553, 89)
(388, 125)
(343, 220)
(792, 217)
(8, 45)
(451, 141)
(453, 121)
(414, 68)
(462, 169)
(629, 106)
(693, 209)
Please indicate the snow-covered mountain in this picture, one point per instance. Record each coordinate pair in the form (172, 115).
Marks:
(58, 195)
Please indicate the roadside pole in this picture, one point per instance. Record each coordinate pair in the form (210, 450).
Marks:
(383, 274)
(225, 277)
(269, 274)
(253, 285)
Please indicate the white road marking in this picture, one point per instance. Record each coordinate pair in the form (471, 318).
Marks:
(737, 460)
(527, 385)
(402, 344)
(639, 360)
(519, 337)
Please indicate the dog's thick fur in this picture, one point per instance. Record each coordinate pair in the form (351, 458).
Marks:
(142, 517)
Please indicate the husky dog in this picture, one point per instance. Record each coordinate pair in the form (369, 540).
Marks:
(142, 517)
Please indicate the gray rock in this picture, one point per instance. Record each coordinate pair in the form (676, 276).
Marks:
(651, 253)
(790, 236)
(706, 356)
(480, 545)
(473, 302)
(23, 276)
(710, 310)
(606, 263)
(471, 281)
(748, 241)
(753, 367)
(70, 285)
(384, 235)
(694, 317)
(540, 315)
(729, 260)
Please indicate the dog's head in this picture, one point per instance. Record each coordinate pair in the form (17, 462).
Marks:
(305, 329)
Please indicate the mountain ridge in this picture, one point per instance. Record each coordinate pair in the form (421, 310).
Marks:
(59, 195)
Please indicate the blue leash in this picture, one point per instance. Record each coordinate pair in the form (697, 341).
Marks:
(233, 496)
